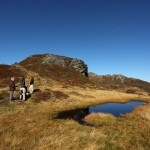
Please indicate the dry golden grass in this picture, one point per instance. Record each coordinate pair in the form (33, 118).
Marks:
(100, 119)
(132, 132)
(144, 113)
(30, 126)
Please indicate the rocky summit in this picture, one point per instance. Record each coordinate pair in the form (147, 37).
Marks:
(77, 64)
(59, 68)
(51, 59)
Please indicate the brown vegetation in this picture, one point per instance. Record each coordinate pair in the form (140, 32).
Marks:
(119, 82)
(48, 95)
(6, 72)
(131, 91)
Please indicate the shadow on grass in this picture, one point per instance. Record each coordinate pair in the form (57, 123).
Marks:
(36, 90)
(76, 115)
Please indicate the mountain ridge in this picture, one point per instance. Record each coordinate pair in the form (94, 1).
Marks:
(59, 68)
(120, 82)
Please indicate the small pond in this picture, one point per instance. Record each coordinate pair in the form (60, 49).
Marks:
(115, 109)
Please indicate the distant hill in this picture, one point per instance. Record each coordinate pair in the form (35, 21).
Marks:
(120, 82)
(51, 59)
(60, 68)
(69, 71)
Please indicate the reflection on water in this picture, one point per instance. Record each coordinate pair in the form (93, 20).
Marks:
(116, 109)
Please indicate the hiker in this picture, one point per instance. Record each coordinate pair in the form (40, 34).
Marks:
(23, 89)
(12, 88)
(31, 85)
(22, 81)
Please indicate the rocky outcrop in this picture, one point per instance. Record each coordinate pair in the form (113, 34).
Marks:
(60, 68)
(119, 82)
(76, 64)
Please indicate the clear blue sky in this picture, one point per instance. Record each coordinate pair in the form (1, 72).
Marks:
(111, 36)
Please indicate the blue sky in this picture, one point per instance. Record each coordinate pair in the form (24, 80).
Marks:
(111, 36)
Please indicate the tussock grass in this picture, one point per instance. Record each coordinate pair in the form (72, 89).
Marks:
(29, 125)
(144, 113)
(48, 95)
(100, 119)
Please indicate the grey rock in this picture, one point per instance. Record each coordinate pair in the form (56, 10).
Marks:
(76, 64)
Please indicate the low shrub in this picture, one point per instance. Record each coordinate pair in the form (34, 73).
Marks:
(42, 96)
(48, 95)
(60, 95)
(131, 91)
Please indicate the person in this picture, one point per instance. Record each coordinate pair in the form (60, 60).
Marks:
(12, 88)
(22, 89)
(22, 81)
(31, 88)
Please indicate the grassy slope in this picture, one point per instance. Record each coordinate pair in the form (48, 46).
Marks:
(30, 125)
(55, 72)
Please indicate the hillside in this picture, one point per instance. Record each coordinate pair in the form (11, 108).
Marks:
(120, 82)
(70, 71)
(34, 123)
(6, 72)
(59, 68)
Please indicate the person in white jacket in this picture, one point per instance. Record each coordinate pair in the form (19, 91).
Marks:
(31, 87)
(22, 89)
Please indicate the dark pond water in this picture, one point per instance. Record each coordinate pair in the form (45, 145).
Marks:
(115, 109)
